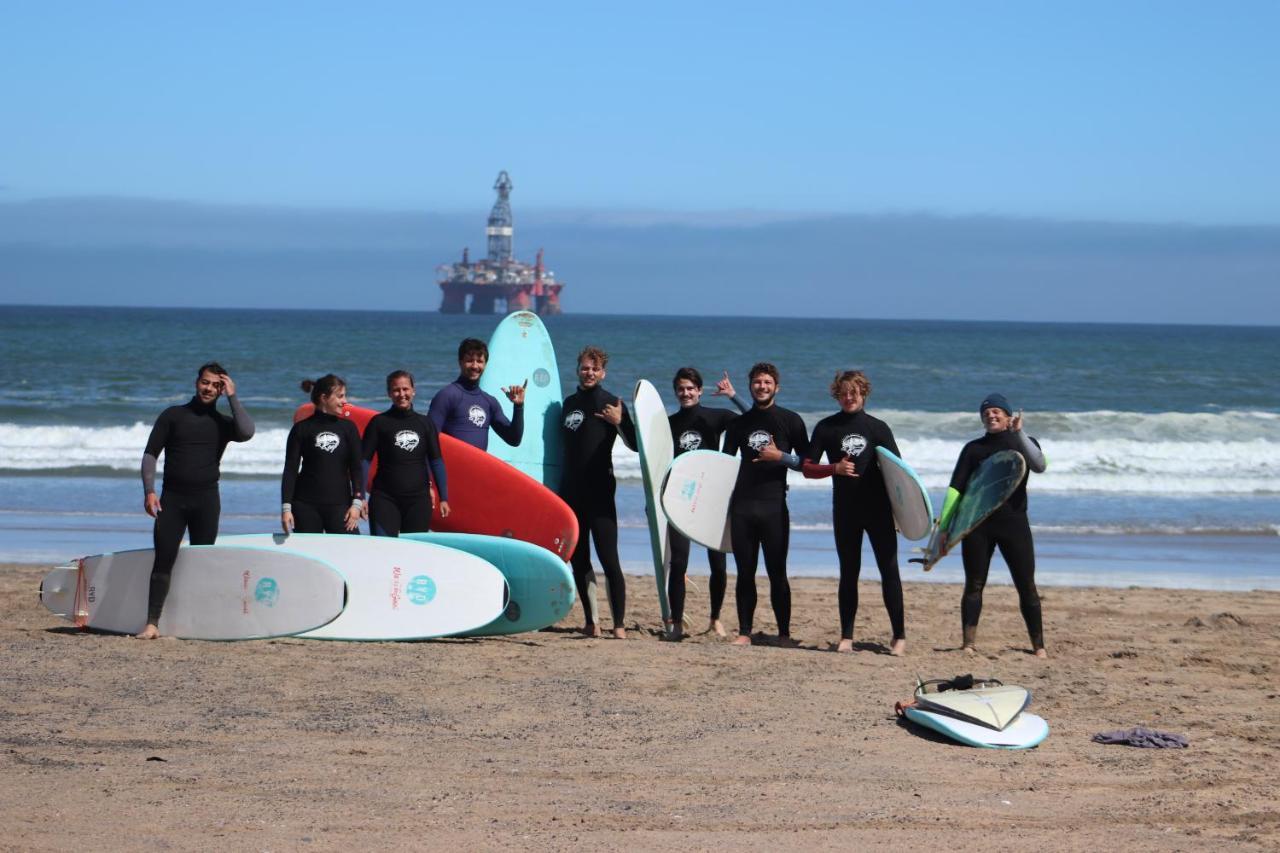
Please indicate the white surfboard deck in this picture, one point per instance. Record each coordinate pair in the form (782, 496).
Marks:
(398, 589)
(993, 707)
(216, 592)
(653, 434)
(912, 509)
(1026, 731)
(519, 350)
(696, 493)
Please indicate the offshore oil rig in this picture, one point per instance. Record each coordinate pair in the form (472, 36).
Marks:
(523, 287)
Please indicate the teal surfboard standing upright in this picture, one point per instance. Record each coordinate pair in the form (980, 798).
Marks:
(519, 350)
(653, 432)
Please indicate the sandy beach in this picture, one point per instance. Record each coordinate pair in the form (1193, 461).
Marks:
(555, 741)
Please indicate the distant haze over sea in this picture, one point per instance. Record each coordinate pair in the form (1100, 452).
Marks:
(105, 251)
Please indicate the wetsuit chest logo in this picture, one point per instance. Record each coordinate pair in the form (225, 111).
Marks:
(853, 444)
(476, 415)
(690, 440)
(328, 441)
(573, 420)
(758, 440)
(407, 440)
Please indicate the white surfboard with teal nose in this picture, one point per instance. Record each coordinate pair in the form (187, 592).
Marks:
(216, 592)
(398, 589)
(653, 434)
(519, 351)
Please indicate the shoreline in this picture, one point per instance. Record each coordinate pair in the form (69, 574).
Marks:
(554, 741)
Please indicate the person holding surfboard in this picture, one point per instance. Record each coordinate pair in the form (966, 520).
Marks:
(462, 410)
(859, 501)
(192, 437)
(694, 427)
(407, 445)
(770, 440)
(593, 420)
(1008, 528)
(328, 495)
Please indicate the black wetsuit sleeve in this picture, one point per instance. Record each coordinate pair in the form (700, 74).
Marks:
(355, 465)
(242, 427)
(148, 473)
(814, 453)
(627, 428)
(887, 440)
(369, 444)
(730, 443)
(798, 435)
(963, 470)
(510, 431)
(292, 456)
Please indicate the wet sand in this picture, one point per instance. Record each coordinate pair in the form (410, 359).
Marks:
(555, 741)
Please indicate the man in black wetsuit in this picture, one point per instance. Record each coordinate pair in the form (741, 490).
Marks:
(593, 420)
(460, 409)
(859, 501)
(695, 427)
(771, 439)
(192, 437)
(407, 445)
(1007, 528)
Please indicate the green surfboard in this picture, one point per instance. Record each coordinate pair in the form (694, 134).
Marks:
(990, 486)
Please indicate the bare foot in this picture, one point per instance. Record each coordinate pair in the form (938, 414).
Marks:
(970, 650)
(718, 627)
(1041, 653)
(151, 632)
(898, 647)
(845, 647)
(619, 633)
(591, 630)
(742, 640)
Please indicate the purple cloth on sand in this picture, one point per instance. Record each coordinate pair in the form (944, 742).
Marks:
(1143, 737)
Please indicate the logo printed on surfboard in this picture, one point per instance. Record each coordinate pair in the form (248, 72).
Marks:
(476, 415)
(573, 420)
(267, 592)
(541, 377)
(759, 439)
(421, 589)
(407, 440)
(328, 441)
(853, 444)
(690, 440)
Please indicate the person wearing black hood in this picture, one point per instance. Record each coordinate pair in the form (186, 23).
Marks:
(407, 445)
(192, 437)
(1008, 528)
(859, 502)
(460, 409)
(593, 420)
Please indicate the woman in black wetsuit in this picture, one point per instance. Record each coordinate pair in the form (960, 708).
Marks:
(407, 445)
(328, 495)
(1008, 528)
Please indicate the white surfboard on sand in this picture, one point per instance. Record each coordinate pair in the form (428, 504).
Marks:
(696, 494)
(1026, 731)
(994, 707)
(398, 589)
(216, 592)
(912, 509)
(653, 434)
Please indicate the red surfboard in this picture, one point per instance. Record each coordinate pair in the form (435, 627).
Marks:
(486, 495)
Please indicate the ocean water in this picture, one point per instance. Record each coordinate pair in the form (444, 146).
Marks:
(1163, 441)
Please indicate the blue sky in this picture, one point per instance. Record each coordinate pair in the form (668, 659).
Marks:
(1132, 111)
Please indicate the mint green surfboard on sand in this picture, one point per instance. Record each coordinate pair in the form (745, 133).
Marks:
(990, 486)
(520, 351)
(539, 584)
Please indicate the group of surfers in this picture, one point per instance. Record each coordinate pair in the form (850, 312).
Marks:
(327, 465)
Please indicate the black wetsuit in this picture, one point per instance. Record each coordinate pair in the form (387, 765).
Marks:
(407, 444)
(758, 517)
(1009, 529)
(192, 437)
(328, 448)
(861, 504)
(460, 409)
(588, 487)
(695, 428)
